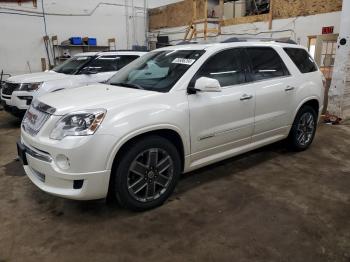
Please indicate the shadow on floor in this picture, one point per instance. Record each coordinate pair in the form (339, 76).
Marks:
(8, 121)
(14, 168)
(221, 170)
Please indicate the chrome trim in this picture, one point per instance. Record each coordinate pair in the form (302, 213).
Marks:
(38, 154)
(31, 124)
(44, 107)
(289, 88)
(206, 137)
(246, 97)
(6, 96)
(221, 132)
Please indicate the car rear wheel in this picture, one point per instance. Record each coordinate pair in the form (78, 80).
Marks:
(303, 130)
(147, 173)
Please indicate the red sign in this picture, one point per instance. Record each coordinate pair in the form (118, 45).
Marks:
(327, 30)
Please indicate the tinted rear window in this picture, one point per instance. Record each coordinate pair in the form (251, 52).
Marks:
(266, 63)
(301, 59)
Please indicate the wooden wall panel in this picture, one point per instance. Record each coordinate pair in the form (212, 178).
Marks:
(245, 19)
(292, 8)
(180, 14)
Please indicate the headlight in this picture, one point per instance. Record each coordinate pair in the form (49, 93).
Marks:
(30, 86)
(82, 123)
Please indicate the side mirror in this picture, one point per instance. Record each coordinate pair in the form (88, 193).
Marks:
(206, 84)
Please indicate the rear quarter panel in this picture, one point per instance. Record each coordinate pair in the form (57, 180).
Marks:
(308, 86)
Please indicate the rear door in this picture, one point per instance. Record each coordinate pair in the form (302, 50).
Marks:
(274, 94)
(222, 121)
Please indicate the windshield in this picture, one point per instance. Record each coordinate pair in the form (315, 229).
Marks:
(108, 63)
(156, 71)
(72, 65)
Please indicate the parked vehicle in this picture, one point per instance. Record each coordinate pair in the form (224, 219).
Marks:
(171, 111)
(19, 91)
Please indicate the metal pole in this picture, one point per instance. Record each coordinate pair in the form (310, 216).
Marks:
(127, 24)
(145, 5)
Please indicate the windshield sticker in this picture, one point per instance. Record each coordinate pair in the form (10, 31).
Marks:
(183, 61)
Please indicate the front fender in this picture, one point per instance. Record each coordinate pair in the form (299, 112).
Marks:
(157, 112)
(122, 141)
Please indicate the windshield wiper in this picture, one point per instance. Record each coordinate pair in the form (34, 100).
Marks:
(127, 85)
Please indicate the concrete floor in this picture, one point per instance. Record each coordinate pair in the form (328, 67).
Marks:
(267, 205)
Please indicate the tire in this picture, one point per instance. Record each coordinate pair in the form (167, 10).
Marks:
(303, 129)
(142, 165)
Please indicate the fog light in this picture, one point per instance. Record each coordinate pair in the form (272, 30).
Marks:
(62, 162)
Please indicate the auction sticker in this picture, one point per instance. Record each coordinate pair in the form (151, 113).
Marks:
(183, 61)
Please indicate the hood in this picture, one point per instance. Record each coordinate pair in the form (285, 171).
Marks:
(37, 77)
(93, 97)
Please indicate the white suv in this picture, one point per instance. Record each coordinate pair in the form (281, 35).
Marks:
(85, 68)
(171, 111)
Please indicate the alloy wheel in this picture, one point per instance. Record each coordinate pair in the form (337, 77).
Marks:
(305, 129)
(150, 174)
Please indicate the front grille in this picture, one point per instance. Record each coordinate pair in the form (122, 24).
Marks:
(34, 120)
(8, 88)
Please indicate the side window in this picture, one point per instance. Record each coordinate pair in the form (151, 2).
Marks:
(266, 63)
(301, 59)
(125, 59)
(225, 66)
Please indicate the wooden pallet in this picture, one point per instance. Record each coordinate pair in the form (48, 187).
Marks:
(193, 31)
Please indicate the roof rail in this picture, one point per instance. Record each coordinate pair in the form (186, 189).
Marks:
(233, 39)
(287, 41)
(241, 39)
(120, 50)
(186, 43)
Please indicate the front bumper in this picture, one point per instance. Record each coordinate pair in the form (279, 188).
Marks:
(40, 165)
(17, 103)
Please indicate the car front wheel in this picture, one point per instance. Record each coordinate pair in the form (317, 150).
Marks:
(147, 173)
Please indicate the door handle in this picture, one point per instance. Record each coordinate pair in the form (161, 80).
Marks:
(246, 97)
(289, 88)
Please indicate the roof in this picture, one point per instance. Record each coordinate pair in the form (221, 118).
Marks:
(211, 46)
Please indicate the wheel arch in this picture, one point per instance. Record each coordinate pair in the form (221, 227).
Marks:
(313, 102)
(171, 133)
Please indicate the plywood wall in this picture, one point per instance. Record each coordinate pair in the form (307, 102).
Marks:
(180, 14)
(292, 8)
(173, 15)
